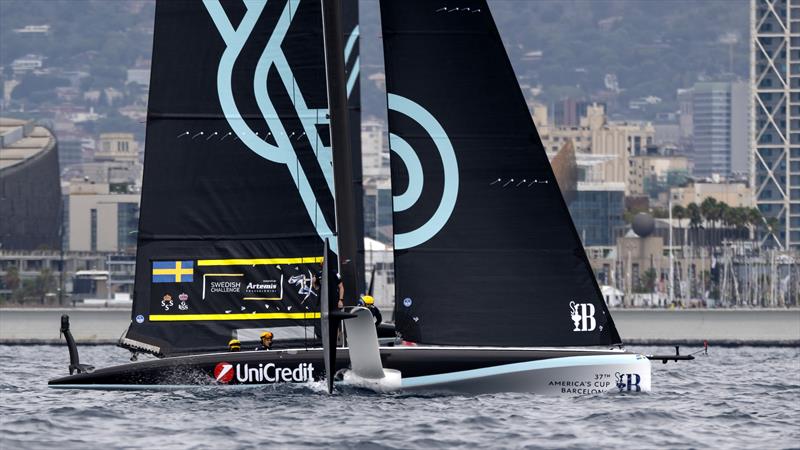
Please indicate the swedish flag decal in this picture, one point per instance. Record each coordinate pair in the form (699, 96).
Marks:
(173, 271)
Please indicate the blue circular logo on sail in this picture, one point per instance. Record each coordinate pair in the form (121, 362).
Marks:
(140, 319)
(416, 176)
(236, 37)
(406, 302)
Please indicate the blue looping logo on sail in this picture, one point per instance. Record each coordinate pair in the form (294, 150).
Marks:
(282, 151)
(416, 177)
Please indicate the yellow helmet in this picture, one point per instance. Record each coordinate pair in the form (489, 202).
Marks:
(368, 300)
(266, 334)
(234, 343)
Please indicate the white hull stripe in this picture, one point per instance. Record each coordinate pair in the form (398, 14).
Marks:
(552, 363)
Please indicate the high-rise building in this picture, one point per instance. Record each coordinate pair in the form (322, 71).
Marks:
(775, 78)
(377, 184)
(720, 128)
(70, 151)
(375, 156)
(100, 220)
(685, 113)
(378, 209)
(597, 212)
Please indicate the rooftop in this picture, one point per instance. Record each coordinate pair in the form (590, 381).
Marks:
(21, 140)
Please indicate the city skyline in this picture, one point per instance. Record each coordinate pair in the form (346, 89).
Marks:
(628, 154)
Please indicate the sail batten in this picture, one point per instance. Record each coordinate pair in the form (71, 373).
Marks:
(485, 250)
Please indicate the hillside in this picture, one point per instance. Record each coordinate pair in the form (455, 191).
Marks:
(565, 48)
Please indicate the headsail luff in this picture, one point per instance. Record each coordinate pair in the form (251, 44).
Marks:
(238, 183)
(485, 250)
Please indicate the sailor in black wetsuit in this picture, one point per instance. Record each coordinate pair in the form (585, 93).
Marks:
(337, 286)
(368, 302)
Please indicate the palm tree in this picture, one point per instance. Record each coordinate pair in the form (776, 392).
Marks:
(742, 217)
(695, 216)
(723, 214)
(754, 219)
(709, 210)
(678, 212)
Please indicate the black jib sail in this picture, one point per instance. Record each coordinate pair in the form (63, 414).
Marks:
(485, 250)
(237, 191)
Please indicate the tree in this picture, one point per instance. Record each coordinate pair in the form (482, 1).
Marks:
(755, 220)
(678, 212)
(34, 290)
(11, 279)
(647, 281)
(659, 213)
(694, 215)
(737, 217)
(723, 215)
(710, 210)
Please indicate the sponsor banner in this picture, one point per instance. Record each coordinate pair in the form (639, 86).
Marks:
(232, 289)
(255, 373)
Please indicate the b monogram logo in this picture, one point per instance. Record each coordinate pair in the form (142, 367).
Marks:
(628, 382)
(582, 315)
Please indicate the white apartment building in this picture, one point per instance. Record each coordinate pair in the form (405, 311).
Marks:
(99, 220)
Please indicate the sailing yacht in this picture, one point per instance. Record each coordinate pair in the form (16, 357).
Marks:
(242, 186)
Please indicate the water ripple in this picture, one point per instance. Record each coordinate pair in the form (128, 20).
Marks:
(735, 398)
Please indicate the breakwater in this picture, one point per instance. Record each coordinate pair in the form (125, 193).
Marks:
(636, 326)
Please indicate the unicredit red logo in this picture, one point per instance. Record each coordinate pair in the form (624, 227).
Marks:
(223, 373)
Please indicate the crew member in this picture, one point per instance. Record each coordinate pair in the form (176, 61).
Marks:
(266, 340)
(234, 345)
(339, 290)
(368, 302)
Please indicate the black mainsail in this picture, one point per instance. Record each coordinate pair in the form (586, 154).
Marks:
(238, 184)
(485, 250)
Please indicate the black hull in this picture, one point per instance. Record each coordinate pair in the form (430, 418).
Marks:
(302, 365)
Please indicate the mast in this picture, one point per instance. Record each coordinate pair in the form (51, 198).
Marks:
(671, 261)
(340, 145)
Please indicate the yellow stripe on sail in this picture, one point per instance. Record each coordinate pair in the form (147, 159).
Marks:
(257, 316)
(259, 261)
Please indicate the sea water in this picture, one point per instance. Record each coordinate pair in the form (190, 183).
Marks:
(735, 398)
